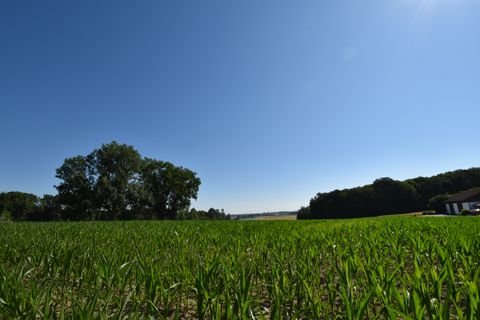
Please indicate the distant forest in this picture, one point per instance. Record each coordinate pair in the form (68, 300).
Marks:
(113, 182)
(388, 196)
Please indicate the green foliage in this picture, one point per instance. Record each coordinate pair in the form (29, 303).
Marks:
(303, 213)
(50, 208)
(339, 269)
(5, 215)
(167, 189)
(76, 192)
(18, 205)
(211, 214)
(437, 203)
(115, 182)
(466, 212)
(115, 169)
(387, 196)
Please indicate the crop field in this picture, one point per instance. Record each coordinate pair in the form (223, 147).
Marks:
(383, 268)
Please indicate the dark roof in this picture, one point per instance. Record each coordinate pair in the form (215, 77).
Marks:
(472, 194)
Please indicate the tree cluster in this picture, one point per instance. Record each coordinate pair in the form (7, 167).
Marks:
(211, 214)
(20, 206)
(112, 182)
(115, 182)
(388, 196)
(26, 206)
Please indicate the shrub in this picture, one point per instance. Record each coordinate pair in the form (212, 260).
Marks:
(466, 212)
(303, 213)
(437, 203)
(5, 215)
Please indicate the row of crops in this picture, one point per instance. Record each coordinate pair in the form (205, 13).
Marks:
(383, 268)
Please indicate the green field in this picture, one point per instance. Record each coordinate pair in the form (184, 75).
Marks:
(354, 269)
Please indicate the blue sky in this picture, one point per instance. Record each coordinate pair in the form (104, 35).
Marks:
(269, 102)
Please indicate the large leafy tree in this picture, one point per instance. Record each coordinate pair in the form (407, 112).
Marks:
(115, 169)
(114, 181)
(168, 189)
(76, 192)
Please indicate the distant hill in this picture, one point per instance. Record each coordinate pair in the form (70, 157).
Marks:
(388, 196)
(250, 216)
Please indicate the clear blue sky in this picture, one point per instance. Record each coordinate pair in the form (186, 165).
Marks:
(269, 102)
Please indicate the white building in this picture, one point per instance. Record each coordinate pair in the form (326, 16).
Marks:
(465, 200)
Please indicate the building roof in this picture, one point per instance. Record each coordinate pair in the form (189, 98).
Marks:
(469, 195)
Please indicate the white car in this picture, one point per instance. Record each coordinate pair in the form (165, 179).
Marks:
(476, 209)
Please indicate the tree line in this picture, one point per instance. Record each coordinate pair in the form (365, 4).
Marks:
(389, 196)
(112, 182)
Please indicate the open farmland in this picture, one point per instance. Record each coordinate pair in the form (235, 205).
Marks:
(354, 269)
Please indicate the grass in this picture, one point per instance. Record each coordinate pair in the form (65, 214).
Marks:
(391, 268)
